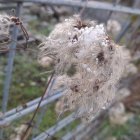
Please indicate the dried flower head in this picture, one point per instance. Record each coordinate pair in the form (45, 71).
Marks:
(113, 27)
(45, 61)
(97, 60)
(4, 24)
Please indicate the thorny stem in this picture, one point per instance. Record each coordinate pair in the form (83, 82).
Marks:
(30, 124)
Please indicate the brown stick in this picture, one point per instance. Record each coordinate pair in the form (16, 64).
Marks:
(30, 124)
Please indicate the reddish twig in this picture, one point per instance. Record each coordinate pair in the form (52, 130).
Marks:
(83, 9)
(30, 124)
(17, 21)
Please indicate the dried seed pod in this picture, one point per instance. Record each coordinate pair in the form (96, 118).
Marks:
(4, 24)
(98, 61)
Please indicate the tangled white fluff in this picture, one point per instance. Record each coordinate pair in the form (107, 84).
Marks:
(98, 63)
(4, 24)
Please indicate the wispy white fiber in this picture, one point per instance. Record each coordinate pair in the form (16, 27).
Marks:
(98, 62)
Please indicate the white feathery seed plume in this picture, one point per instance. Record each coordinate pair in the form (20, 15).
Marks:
(4, 24)
(98, 62)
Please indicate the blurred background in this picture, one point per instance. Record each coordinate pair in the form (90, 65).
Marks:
(23, 79)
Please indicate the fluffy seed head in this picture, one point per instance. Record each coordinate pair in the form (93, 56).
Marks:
(97, 60)
(4, 24)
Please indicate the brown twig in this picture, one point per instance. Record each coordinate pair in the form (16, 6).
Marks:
(18, 22)
(30, 124)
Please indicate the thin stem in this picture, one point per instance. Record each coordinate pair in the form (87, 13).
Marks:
(83, 9)
(30, 124)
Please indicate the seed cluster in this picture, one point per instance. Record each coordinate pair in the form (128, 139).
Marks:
(97, 60)
(4, 24)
